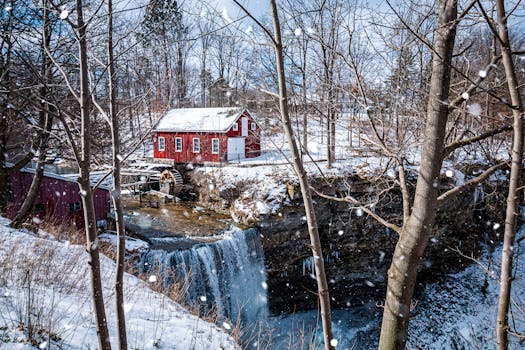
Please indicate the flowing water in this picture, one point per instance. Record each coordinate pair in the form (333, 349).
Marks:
(227, 275)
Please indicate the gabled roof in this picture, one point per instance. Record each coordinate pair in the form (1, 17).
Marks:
(199, 119)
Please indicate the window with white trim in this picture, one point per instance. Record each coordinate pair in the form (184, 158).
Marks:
(235, 127)
(215, 146)
(178, 144)
(162, 144)
(196, 145)
(254, 126)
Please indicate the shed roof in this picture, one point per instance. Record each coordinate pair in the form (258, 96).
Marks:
(199, 119)
(93, 178)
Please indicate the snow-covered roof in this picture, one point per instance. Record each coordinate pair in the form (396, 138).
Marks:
(94, 177)
(199, 119)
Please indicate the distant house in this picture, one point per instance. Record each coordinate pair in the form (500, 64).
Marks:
(198, 135)
(58, 198)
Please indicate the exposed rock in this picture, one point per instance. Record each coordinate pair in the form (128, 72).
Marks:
(357, 250)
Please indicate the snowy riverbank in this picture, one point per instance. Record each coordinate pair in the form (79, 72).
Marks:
(50, 279)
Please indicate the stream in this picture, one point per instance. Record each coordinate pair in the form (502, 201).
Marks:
(224, 269)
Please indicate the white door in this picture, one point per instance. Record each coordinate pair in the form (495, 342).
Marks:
(244, 122)
(236, 148)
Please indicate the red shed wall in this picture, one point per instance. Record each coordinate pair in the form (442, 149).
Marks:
(253, 140)
(56, 195)
(252, 144)
(187, 155)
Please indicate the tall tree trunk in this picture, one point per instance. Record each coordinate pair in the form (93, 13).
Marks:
(502, 327)
(169, 74)
(27, 205)
(116, 193)
(45, 124)
(5, 78)
(322, 285)
(181, 82)
(414, 238)
(85, 187)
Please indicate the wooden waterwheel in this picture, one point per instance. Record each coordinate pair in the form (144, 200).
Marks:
(170, 181)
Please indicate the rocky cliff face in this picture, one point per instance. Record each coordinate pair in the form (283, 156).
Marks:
(357, 250)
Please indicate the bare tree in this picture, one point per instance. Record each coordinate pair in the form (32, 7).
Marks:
(88, 207)
(313, 231)
(415, 234)
(45, 123)
(116, 192)
(512, 212)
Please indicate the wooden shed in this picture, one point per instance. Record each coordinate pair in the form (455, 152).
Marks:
(198, 135)
(58, 198)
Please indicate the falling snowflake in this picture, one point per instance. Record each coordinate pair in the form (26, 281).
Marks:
(152, 278)
(128, 307)
(37, 220)
(340, 232)
(226, 326)
(359, 212)
(264, 285)
(449, 173)
(465, 96)
(64, 14)
(43, 345)
(8, 8)
(297, 31)
(482, 73)
(333, 342)
(496, 226)
(203, 298)
(310, 30)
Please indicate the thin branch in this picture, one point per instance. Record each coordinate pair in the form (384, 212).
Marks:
(270, 35)
(475, 84)
(354, 201)
(460, 143)
(468, 184)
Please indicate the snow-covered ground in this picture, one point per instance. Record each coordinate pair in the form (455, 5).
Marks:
(45, 284)
(460, 313)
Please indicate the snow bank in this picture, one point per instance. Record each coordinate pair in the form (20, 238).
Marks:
(460, 313)
(51, 280)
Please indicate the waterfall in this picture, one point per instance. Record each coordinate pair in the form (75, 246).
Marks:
(227, 275)
(479, 195)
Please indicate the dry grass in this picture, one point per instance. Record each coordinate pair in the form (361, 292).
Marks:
(35, 274)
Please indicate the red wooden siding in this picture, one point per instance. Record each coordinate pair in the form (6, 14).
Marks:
(56, 195)
(252, 144)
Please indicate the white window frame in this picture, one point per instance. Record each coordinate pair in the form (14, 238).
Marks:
(177, 139)
(198, 144)
(213, 142)
(253, 126)
(235, 127)
(161, 143)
